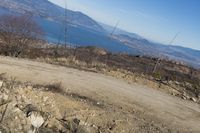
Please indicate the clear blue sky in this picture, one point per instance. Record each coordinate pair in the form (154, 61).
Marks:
(157, 20)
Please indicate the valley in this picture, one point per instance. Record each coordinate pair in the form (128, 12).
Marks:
(84, 31)
(64, 71)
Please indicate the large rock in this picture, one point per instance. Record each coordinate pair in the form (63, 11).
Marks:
(36, 120)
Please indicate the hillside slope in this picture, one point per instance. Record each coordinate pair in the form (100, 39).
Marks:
(138, 103)
(83, 31)
(50, 11)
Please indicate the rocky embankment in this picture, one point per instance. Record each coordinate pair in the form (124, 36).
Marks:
(33, 108)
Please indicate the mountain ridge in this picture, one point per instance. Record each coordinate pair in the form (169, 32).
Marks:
(83, 30)
(50, 11)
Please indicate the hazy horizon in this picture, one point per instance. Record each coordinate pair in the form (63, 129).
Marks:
(156, 20)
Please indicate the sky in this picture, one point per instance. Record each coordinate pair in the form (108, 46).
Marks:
(157, 20)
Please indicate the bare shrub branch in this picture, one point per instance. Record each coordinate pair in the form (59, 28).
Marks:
(18, 33)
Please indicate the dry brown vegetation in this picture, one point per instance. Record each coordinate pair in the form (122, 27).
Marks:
(54, 108)
(64, 112)
(179, 77)
(19, 36)
(106, 103)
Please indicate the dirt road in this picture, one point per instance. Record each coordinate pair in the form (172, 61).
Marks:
(153, 105)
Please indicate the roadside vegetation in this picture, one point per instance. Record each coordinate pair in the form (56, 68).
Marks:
(33, 108)
(18, 34)
(52, 108)
(21, 36)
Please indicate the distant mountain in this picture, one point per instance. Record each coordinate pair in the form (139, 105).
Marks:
(50, 11)
(149, 48)
(83, 30)
(109, 30)
(187, 55)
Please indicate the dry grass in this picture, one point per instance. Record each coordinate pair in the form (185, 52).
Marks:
(128, 67)
(55, 87)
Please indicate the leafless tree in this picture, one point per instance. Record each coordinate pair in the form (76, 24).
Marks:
(18, 33)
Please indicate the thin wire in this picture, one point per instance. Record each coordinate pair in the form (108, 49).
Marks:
(114, 29)
(159, 56)
(174, 38)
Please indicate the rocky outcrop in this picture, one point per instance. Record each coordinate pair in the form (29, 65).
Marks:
(25, 108)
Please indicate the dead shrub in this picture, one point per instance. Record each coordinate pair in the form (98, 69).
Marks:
(55, 87)
(17, 34)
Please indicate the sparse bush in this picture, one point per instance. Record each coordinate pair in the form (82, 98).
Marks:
(157, 76)
(55, 87)
(17, 34)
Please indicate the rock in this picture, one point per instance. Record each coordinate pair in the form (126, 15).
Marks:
(16, 118)
(36, 120)
(184, 98)
(4, 129)
(176, 82)
(29, 109)
(20, 127)
(5, 97)
(45, 99)
(76, 121)
(193, 99)
(1, 83)
(188, 84)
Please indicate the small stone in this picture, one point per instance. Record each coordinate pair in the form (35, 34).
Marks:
(16, 118)
(5, 97)
(29, 87)
(1, 83)
(20, 127)
(184, 98)
(16, 110)
(193, 99)
(173, 94)
(45, 99)
(176, 82)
